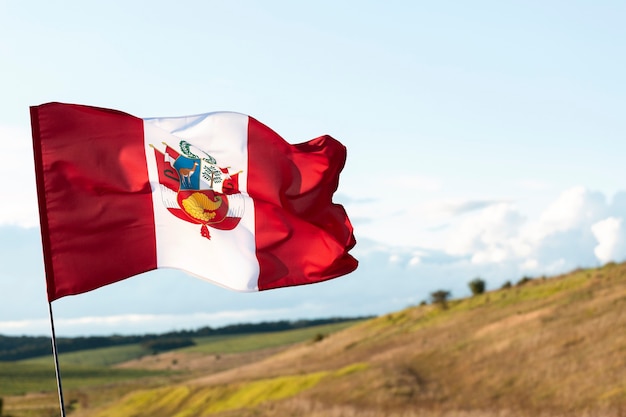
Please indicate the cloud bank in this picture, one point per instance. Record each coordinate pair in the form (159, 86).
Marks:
(579, 228)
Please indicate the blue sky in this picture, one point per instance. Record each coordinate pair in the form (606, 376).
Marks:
(484, 139)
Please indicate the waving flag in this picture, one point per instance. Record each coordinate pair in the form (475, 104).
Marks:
(218, 195)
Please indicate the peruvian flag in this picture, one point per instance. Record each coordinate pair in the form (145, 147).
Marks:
(218, 195)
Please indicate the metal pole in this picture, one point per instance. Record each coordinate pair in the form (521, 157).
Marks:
(56, 362)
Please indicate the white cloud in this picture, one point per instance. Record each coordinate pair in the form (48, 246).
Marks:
(611, 242)
(493, 254)
(560, 237)
(416, 260)
(529, 264)
(573, 208)
(488, 235)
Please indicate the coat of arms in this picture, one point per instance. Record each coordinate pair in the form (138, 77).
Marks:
(196, 189)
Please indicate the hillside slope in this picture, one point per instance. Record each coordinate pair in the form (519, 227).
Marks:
(550, 347)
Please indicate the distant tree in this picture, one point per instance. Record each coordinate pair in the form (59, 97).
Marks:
(440, 298)
(506, 285)
(477, 286)
(523, 281)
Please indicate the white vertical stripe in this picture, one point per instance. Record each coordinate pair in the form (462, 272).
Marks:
(229, 257)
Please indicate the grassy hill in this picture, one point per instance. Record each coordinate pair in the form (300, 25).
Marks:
(549, 347)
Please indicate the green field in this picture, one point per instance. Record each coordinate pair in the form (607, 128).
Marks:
(94, 357)
(91, 368)
(257, 341)
(17, 378)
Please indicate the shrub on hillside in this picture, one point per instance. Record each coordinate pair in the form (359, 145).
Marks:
(440, 298)
(477, 286)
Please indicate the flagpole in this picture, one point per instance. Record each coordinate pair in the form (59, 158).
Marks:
(56, 361)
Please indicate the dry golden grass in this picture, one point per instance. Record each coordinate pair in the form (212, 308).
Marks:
(551, 347)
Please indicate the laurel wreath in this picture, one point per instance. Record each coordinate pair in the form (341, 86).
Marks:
(186, 148)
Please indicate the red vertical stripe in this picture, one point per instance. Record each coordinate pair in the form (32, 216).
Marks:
(301, 236)
(95, 198)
